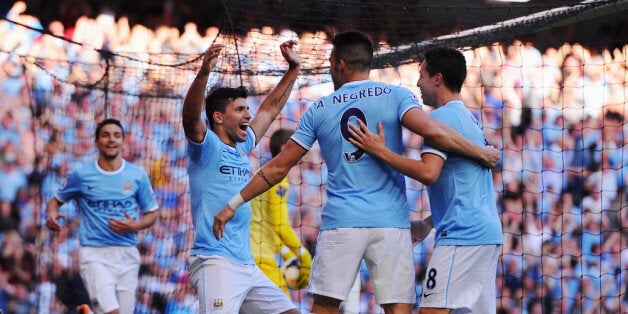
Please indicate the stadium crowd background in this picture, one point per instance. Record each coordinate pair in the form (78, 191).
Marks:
(557, 114)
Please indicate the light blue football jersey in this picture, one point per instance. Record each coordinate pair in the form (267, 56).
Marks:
(216, 172)
(101, 195)
(362, 191)
(462, 200)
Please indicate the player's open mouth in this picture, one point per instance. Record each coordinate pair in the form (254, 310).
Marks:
(244, 126)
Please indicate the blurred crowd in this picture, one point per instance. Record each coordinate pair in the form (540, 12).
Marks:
(557, 115)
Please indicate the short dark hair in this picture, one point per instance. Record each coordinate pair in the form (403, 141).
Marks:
(355, 48)
(218, 99)
(102, 123)
(450, 63)
(279, 137)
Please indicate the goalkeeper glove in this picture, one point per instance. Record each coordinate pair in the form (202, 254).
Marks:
(286, 253)
(305, 258)
(291, 272)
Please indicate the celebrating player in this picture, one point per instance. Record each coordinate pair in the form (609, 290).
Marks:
(222, 270)
(461, 271)
(110, 194)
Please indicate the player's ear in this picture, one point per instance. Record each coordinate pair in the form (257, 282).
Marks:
(218, 117)
(438, 78)
(341, 64)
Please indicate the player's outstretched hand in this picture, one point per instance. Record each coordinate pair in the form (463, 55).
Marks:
(220, 221)
(289, 54)
(210, 58)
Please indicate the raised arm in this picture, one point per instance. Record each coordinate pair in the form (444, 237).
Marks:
(446, 138)
(193, 124)
(269, 175)
(277, 98)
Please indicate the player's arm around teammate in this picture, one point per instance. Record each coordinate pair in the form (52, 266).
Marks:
(448, 139)
(267, 176)
(461, 271)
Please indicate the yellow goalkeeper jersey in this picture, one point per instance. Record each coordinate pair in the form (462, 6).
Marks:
(271, 230)
(270, 224)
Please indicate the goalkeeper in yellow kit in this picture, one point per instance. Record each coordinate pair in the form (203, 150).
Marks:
(271, 232)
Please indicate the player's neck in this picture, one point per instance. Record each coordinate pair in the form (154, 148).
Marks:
(356, 76)
(445, 98)
(109, 164)
(223, 136)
